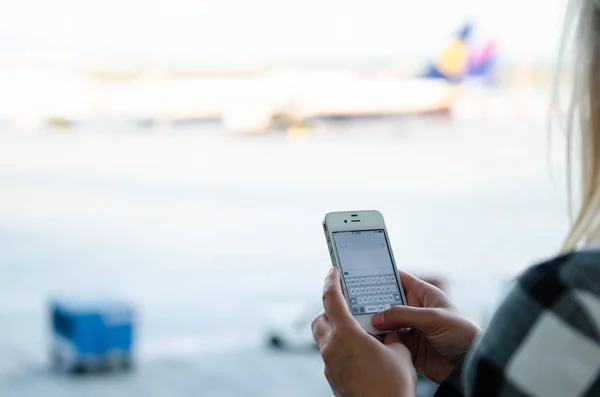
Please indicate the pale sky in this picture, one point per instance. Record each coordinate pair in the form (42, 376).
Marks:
(267, 31)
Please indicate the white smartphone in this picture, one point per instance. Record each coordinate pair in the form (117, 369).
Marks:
(360, 248)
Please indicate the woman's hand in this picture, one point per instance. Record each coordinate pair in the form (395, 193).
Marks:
(356, 363)
(439, 336)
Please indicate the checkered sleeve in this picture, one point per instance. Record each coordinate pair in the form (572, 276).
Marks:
(544, 340)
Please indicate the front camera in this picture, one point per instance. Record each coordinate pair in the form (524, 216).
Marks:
(345, 221)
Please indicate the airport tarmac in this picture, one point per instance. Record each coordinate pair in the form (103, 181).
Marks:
(214, 236)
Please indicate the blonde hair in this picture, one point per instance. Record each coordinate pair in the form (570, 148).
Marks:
(582, 122)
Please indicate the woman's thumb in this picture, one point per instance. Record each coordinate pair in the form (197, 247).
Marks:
(423, 319)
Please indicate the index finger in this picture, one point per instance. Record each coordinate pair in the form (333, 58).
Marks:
(320, 329)
(334, 303)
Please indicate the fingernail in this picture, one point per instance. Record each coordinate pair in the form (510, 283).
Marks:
(377, 320)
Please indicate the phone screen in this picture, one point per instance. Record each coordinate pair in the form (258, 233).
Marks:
(367, 270)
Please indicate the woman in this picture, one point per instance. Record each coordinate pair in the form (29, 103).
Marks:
(544, 340)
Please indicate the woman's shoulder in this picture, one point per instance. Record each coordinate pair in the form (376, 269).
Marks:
(574, 272)
(545, 337)
(564, 290)
(567, 288)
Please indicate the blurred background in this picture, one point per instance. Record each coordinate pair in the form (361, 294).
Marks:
(179, 157)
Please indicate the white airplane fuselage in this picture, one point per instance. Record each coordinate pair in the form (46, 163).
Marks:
(250, 103)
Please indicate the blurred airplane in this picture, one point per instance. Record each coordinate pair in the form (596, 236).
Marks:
(253, 104)
(248, 103)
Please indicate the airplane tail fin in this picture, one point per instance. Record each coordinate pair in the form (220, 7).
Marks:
(481, 64)
(453, 63)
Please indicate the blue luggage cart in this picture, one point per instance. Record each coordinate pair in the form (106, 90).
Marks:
(91, 335)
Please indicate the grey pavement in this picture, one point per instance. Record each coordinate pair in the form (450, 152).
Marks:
(209, 234)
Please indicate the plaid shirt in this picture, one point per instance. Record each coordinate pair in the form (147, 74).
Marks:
(543, 341)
